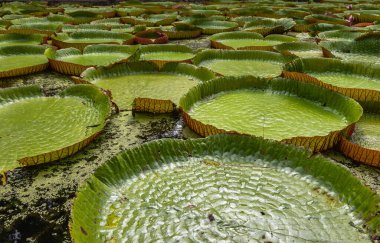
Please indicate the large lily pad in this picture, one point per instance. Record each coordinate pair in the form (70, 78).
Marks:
(303, 49)
(21, 39)
(21, 60)
(365, 48)
(81, 39)
(181, 32)
(364, 144)
(223, 188)
(248, 41)
(161, 54)
(210, 27)
(145, 80)
(238, 63)
(357, 80)
(266, 26)
(318, 18)
(339, 35)
(33, 28)
(37, 129)
(130, 11)
(280, 109)
(72, 61)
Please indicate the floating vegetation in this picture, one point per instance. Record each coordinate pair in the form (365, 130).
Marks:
(279, 109)
(237, 63)
(53, 127)
(19, 60)
(73, 62)
(163, 87)
(301, 74)
(225, 187)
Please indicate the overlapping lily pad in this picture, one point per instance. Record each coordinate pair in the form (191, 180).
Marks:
(181, 32)
(81, 39)
(52, 127)
(33, 28)
(237, 63)
(22, 59)
(158, 90)
(73, 62)
(280, 109)
(223, 188)
(210, 27)
(303, 49)
(248, 41)
(162, 54)
(339, 35)
(319, 18)
(130, 11)
(152, 20)
(357, 80)
(364, 144)
(365, 48)
(266, 26)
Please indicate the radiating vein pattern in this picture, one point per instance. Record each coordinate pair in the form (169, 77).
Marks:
(207, 200)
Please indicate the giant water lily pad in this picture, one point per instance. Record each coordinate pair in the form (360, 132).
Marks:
(237, 63)
(21, 39)
(303, 49)
(181, 32)
(33, 28)
(266, 26)
(365, 48)
(37, 129)
(223, 188)
(318, 18)
(210, 27)
(68, 28)
(21, 60)
(339, 35)
(280, 109)
(161, 54)
(81, 39)
(130, 11)
(247, 41)
(364, 144)
(72, 61)
(146, 80)
(152, 20)
(357, 80)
